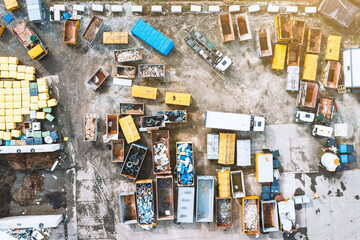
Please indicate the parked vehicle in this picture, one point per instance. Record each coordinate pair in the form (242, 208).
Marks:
(151, 70)
(331, 74)
(333, 48)
(145, 203)
(224, 182)
(112, 126)
(227, 148)
(132, 108)
(287, 216)
(207, 51)
(304, 117)
(185, 164)
(269, 216)
(250, 205)
(293, 78)
(243, 27)
(237, 184)
(98, 78)
(144, 92)
(71, 29)
(223, 208)
(90, 122)
(326, 109)
(128, 55)
(205, 199)
(314, 40)
(92, 29)
(185, 205)
(293, 55)
(128, 208)
(243, 152)
(129, 129)
(133, 161)
(115, 37)
(117, 150)
(263, 43)
(152, 122)
(212, 146)
(298, 31)
(152, 37)
(30, 41)
(234, 121)
(160, 151)
(308, 95)
(279, 57)
(175, 116)
(182, 99)
(284, 30)
(165, 197)
(226, 27)
(322, 131)
(128, 72)
(264, 167)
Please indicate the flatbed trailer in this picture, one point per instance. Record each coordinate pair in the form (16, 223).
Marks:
(160, 145)
(226, 28)
(165, 197)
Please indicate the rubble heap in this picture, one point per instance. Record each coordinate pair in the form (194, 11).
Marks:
(144, 200)
(161, 156)
(175, 116)
(128, 56)
(90, 127)
(152, 71)
(250, 216)
(223, 212)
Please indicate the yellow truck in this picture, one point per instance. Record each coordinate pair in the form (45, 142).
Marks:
(12, 5)
(115, 38)
(279, 57)
(182, 99)
(144, 92)
(333, 48)
(227, 148)
(224, 182)
(284, 30)
(129, 129)
(30, 41)
(310, 67)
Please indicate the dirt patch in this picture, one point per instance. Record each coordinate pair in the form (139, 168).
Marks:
(25, 194)
(32, 161)
(7, 179)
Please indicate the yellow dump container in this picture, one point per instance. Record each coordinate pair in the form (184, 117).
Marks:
(182, 99)
(17, 112)
(2, 126)
(43, 89)
(9, 112)
(2, 111)
(20, 76)
(333, 48)
(30, 70)
(13, 67)
(25, 84)
(4, 74)
(144, 92)
(227, 148)
(2, 28)
(4, 60)
(25, 103)
(17, 105)
(42, 104)
(224, 182)
(17, 84)
(25, 97)
(310, 67)
(17, 97)
(279, 57)
(9, 105)
(129, 129)
(34, 106)
(34, 99)
(2, 119)
(44, 96)
(1, 134)
(115, 37)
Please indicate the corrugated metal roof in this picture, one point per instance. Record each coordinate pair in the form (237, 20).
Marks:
(342, 11)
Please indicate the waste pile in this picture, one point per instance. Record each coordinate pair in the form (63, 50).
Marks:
(32, 183)
(133, 161)
(152, 121)
(29, 233)
(161, 155)
(128, 55)
(131, 108)
(175, 116)
(144, 200)
(126, 72)
(223, 212)
(185, 164)
(90, 127)
(152, 71)
(250, 216)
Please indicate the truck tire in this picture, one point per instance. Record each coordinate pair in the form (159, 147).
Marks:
(18, 151)
(32, 150)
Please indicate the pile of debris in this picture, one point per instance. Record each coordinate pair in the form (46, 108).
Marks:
(133, 161)
(185, 164)
(126, 72)
(144, 199)
(152, 121)
(26, 194)
(152, 71)
(161, 155)
(175, 116)
(128, 56)
(90, 127)
(29, 233)
(223, 212)
(250, 216)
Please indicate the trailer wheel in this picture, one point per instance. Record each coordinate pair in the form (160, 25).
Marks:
(18, 151)
(32, 150)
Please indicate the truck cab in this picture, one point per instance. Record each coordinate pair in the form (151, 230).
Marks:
(257, 123)
(224, 64)
(322, 131)
(304, 117)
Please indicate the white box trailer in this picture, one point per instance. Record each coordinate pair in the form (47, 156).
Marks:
(212, 146)
(185, 206)
(234, 121)
(243, 152)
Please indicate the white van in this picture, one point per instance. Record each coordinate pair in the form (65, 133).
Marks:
(322, 131)
(304, 117)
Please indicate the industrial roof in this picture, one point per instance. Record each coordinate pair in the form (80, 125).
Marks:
(342, 11)
(351, 59)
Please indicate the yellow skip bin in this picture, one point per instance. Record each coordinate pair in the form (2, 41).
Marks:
(182, 99)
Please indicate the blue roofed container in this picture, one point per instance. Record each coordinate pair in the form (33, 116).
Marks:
(153, 37)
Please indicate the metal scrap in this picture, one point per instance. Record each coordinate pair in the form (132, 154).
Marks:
(127, 56)
(161, 155)
(175, 116)
(133, 161)
(152, 121)
(250, 216)
(223, 212)
(90, 127)
(152, 71)
(144, 200)
(185, 164)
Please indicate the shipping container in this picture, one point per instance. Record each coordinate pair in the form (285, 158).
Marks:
(112, 126)
(145, 203)
(98, 78)
(284, 28)
(243, 27)
(263, 43)
(287, 216)
(144, 92)
(160, 151)
(293, 78)
(331, 74)
(152, 37)
(326, 109)
(293, 55)
(115, 37)
(226, 28)
(151, 70)
(243, 152)
(185, 205)
(129, 129)
(90, 122)
(71, 30)
(224, 182)
(185, 164)
(133, 161)
(250, 215)
(128, 208)
(212, 146)
(298, 31)
(175, 116)
(205, 199)
(12, 5)
(308, 95)
(132, 108)
(333, 48)
(152, 122)
(128, 55)
(117, 150)
(92, 29)
(310, 67)
(237, 184)
(182, 99)
(223, 208)
(264, 167)
(227, 148)
(269, 216)
(165, 197)
(314, 40)
(279, 57)
(119, 71)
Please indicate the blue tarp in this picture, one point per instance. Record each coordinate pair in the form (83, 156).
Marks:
(153, 37)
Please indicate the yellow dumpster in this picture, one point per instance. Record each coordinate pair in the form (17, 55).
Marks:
(2, 28)
(333, 48)
(224, 182)
(129, 129)
(144, 92)
(278, 61)
(310, 67)
(182, 99)
(115, 37)
(12, 5)
(227, 148)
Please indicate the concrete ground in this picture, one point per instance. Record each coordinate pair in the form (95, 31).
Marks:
(248, 87)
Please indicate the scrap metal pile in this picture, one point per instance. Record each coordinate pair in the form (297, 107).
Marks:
(29, 233)
(152, 121)
(175, 116)
(133, 161)
(185, 164)
(152, 71)
(223, 213)
(161, 155)
(90, 127)
(251, 216)
(144, 199)
(128, 56)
